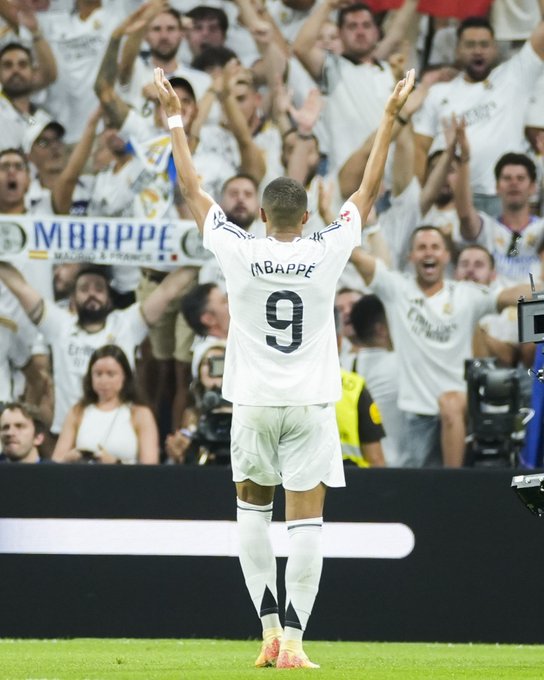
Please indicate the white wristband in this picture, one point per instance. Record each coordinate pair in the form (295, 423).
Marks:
(175, 122)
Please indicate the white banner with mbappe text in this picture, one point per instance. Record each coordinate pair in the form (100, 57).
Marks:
(102, 240)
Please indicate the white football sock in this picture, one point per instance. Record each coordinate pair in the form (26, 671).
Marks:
(302, 574)
(258, 560)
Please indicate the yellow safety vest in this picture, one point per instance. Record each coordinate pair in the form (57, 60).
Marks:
(347, 417)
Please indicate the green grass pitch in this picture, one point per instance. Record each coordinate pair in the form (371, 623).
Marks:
(90, 659)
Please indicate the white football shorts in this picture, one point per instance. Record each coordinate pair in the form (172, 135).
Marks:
(296, 446)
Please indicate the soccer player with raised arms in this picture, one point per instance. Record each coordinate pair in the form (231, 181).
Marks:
(282, 372)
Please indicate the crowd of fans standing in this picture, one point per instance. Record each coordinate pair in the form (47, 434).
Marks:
(123, 363)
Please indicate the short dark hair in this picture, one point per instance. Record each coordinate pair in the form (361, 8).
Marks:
(240, 175)
(202, 12)
(128, 393)
(428, 227)
(211, 57)
(365, 314)
(16, 46)
(284, 201)
(18, 151)
(476, 246)
(474, 22)
(29, 411)
(193, 305)
(436, 154)
(355, 7)
(512, 158)
(102, 270)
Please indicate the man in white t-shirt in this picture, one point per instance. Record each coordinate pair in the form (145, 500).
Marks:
(163, 34)
(282, 372)
(19, 80)
(513, 236)
(78, 39)
(74, 337)
(431, 321)
(483, 95)
(357, 84)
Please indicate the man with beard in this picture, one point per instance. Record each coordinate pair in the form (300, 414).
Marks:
(19, 78)
(163, 33)
(73, 338)
(492, 101)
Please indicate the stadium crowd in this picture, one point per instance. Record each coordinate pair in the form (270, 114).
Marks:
(117, 363)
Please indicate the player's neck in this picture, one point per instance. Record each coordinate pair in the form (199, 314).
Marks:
(284, 235)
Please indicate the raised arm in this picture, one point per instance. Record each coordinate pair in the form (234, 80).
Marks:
(437, 176)
(65, 185)
(470, 221)
(198, 201)
(155, 305)
(252, 159)
(367, 192)
(305, 118)
(114, 107)
(403, 23)
(133, 43)
(304, 47)
(350, 174)
(31, 301)
(45, 68)
(259, 23)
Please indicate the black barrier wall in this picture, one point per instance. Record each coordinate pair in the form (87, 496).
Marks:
(473, 573)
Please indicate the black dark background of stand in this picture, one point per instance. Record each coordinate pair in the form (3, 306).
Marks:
(474, 575)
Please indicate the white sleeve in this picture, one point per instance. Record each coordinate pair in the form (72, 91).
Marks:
(53, 322)
(524, 68)
(133, 322)
(222, 237)
(344, 233)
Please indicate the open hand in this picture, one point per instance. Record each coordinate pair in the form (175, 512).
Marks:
(400, 94)
(167, 97)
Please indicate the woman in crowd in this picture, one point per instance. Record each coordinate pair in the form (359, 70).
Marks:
(109, 424)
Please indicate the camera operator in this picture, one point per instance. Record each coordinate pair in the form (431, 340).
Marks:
(204, 438)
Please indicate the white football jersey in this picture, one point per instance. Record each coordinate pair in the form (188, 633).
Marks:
(281, 347)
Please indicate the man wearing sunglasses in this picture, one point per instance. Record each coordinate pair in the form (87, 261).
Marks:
(512, 237)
